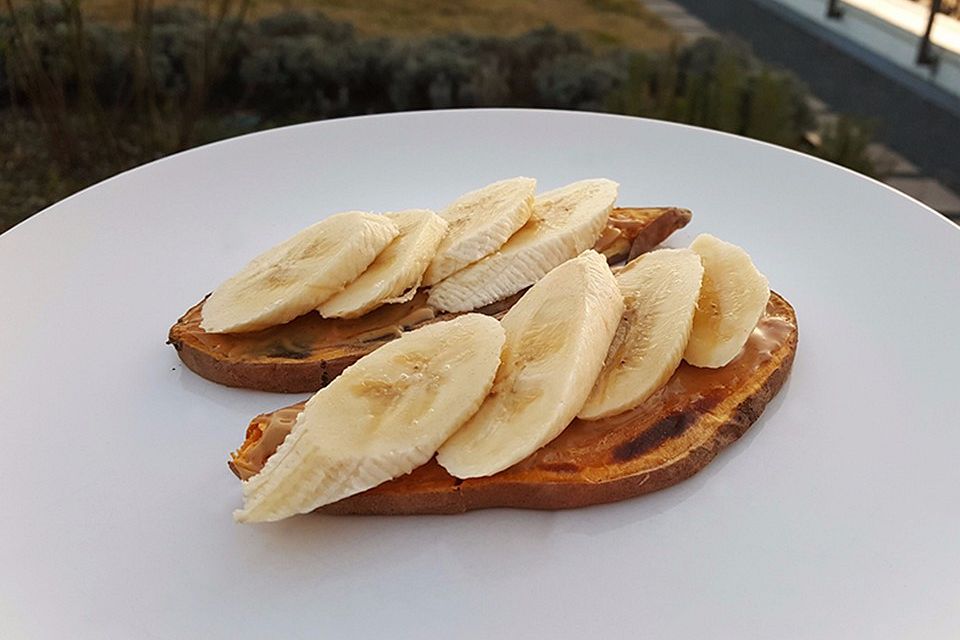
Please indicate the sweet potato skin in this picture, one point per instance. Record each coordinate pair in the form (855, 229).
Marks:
(657, 446)
(641, 229)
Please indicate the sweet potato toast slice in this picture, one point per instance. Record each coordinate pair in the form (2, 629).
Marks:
(671, 436)
(305, 354)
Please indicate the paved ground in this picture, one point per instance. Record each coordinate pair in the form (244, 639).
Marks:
(918, 143)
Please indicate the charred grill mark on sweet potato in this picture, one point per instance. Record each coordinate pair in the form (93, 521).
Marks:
(667, 428)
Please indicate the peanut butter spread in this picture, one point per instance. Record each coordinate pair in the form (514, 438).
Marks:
(309, 334)
(654, 430)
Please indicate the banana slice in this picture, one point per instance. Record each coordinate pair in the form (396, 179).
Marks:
(557, 336)
(381, 418)
(660, 291)
(295, 276)
(732, 299)
(396, 273)
(480, 222)
(565, 222)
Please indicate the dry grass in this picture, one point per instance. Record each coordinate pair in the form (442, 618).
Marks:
(601, 23)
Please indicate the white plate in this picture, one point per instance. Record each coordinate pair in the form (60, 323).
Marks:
(835, 516)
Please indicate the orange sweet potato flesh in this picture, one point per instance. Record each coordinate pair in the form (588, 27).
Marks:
(668, 438)
(306, 353)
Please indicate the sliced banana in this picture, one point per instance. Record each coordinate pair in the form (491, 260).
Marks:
(732, 299)
(557, 336)
(480, 222)
(660, 291)
(295, 276)
(398, 269)
(381, 418)
(565, 222)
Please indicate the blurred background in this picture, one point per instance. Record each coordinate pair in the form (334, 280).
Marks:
(89, 88)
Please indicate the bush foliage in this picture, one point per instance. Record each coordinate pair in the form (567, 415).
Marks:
(109, 98)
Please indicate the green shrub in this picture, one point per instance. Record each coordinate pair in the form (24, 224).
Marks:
(108, 99)
(576, 81)
(717, 85)
(845, 142)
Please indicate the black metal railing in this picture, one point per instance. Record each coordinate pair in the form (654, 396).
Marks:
(926, 53)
